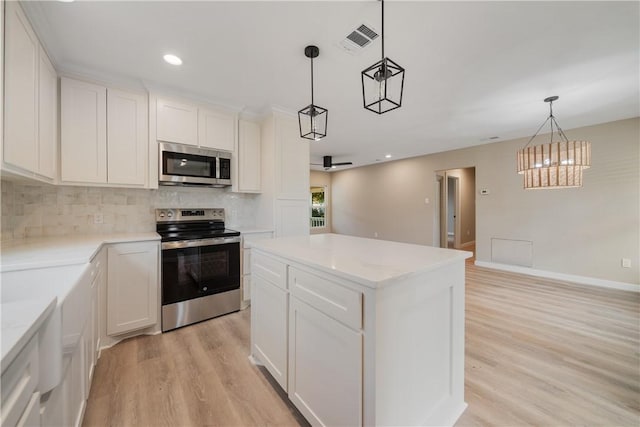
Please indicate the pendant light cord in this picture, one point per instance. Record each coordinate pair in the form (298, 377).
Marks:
(553, 120)
(385, 70)
(312, 80)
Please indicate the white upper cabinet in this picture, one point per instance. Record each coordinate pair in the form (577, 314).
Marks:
(127, 140)
(249, 157)
(83, 143)
(30, 102)
(216, 130)
(292, 160)
(176, 122)
(104, 135)
(47, 118)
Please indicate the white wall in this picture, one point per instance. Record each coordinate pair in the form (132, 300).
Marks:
(39, 210)
(583, 231)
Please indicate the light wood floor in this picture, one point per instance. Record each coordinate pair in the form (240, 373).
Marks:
(538, 352)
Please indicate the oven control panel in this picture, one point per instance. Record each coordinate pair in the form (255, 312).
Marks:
(175, 214)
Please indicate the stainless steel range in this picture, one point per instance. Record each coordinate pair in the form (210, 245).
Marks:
(200, 266)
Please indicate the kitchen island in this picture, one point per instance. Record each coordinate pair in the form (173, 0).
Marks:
(361, 331)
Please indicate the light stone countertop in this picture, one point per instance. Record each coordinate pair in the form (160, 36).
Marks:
(36, 274)
(20, 322)
(26, 254)
(370, 262)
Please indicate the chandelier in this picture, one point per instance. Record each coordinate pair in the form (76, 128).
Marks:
(556, 164)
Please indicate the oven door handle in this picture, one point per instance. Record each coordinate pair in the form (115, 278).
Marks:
(200, 242)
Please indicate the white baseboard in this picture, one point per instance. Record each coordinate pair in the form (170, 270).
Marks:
(466, 245)
(582, 280)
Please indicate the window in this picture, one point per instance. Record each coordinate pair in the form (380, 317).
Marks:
(318, 207)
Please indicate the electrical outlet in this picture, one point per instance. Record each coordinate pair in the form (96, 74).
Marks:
(426, 201)
(98, 218)
(626, 263)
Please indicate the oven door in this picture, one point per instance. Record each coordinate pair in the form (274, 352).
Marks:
(196, 268)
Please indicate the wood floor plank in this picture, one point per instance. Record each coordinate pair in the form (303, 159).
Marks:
(538, 352)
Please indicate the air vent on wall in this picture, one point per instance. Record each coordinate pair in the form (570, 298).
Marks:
(358, 39)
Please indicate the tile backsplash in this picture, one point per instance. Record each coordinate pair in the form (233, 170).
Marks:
(40, 210)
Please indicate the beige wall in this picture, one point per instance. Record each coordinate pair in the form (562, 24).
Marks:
(323, 179)
(583, 231)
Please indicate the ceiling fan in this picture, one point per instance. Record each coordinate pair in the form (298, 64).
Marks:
(328, 164)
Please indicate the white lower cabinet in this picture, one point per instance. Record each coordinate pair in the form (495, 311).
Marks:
(19, 387)
(321, 343)
(132, 286)
(247, 238)
(325, 367)
(270, 326)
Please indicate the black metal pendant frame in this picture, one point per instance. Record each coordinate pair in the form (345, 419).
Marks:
(317, 117)
(376, 73)
(383, 72)
(312, 119)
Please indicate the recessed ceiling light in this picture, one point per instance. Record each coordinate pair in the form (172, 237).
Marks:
(387, 156)
(172, 59)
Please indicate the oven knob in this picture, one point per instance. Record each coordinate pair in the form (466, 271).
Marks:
(161, 214)
(204, 288)
(169, 214)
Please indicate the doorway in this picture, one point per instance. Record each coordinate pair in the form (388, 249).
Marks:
(455, 208)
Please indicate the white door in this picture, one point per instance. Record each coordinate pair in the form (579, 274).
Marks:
(132, 286)
(83, 132)
(292, 218)
(127, 144)
(176, 122)
(20, 146)
(292, 160)
(216, 130)
(325, 368)
(47, 117)
(249, 157)
(269, 327)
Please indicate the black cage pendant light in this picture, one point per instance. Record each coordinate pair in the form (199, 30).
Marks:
(383, 82)
(312, 118)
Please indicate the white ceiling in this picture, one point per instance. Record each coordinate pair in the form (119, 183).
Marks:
(474, 69)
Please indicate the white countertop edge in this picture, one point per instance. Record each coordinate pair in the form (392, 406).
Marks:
(362, 281)
(375, 284)
(252, 230)
(10, 353)
(83, 249)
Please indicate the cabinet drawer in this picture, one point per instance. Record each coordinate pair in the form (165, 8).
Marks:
(19, 381)
(270, 269)
(333, 299)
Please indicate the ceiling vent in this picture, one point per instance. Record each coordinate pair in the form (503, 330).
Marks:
(359, 39)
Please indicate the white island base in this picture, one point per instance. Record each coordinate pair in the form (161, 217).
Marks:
(360, 331)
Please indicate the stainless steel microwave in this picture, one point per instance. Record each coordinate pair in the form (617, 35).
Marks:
(184, 165)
